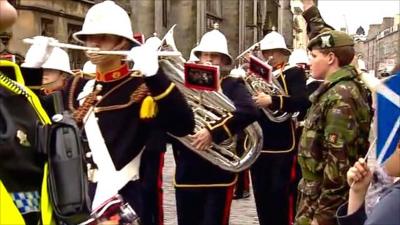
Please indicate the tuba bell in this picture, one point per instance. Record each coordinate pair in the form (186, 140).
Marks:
(208, 108)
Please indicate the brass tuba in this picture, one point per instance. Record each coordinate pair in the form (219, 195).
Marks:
(256, 84)
(208, 108)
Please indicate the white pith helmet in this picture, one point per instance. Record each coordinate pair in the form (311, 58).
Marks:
(192, 57)
(274, 40)
(299, 56)
(214, 41)
(106, 18)
(58, 60)
(89, 67)
(238, 73)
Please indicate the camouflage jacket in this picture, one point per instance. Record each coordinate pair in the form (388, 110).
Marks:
(335, 135)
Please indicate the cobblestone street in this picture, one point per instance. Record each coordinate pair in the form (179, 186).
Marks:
(243, 211)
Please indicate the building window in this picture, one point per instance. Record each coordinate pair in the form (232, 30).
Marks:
(165, 13)
(260, 13)
(271, 18)
(76, 57)
(213, 13)
(211, 21)
(214, 7)
(47, 27)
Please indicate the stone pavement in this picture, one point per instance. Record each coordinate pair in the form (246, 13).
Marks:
(243, 211)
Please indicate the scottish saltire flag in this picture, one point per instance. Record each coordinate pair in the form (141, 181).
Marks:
(388, 117)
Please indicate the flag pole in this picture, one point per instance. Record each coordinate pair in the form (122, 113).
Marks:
(372, 146)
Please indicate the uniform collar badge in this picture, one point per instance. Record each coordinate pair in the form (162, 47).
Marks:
(113, 75)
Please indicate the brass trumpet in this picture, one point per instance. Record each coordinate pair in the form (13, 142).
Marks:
(92, 50)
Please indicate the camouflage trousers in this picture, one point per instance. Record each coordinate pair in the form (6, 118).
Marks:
(308, 194)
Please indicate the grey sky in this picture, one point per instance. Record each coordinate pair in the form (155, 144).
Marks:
(356, 13)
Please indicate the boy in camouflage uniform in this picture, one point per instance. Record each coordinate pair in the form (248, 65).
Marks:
(335, 132)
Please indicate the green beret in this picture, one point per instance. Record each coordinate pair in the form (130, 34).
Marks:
(330, 39)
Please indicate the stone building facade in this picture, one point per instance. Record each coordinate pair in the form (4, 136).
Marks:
(381, 49)
(243, 22)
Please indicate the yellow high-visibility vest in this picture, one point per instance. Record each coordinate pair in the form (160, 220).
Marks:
(9, 213)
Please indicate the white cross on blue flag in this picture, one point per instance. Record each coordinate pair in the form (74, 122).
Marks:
(388, 117)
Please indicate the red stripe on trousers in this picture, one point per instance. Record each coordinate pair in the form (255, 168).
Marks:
(291, 196)
(160, 192)
(228, 202)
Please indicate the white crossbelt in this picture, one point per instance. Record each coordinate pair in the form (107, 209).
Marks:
(109, 180)
(311, 79)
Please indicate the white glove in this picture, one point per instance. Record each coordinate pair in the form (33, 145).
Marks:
(145, 59)
(39, 52)
(153, 43)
